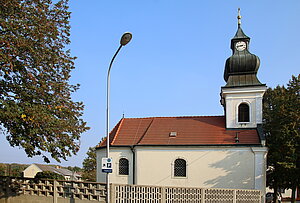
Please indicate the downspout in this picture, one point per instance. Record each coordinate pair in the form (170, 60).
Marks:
(133, 164)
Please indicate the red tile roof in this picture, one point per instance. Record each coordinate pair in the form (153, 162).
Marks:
(193, 130)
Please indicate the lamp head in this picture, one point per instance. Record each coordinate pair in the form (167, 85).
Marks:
(126, 37)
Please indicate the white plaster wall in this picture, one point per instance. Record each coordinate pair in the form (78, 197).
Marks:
(235, 96)
(206, 167)
(212, 167)
(115, 154)
(31, 171)
(260, 158)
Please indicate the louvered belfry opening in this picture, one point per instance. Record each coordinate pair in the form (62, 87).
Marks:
(243, 113)
(123, 166)
(180, 168)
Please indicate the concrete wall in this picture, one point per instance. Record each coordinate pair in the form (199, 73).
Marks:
(137, 193)
(28, 190)
(25, 190)
(38, 199)
(209, 167)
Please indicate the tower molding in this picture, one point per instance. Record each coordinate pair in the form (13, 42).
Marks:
(231, 99)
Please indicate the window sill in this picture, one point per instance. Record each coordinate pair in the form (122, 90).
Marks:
(121, 175)
(243, 123)
(179, 177)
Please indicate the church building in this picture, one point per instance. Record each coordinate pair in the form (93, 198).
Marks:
(198, 151)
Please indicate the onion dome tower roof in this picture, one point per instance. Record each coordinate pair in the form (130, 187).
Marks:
(241, 68)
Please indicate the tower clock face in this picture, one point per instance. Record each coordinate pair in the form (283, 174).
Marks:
(240, 46)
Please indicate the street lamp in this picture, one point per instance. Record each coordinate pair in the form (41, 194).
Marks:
(126, 37)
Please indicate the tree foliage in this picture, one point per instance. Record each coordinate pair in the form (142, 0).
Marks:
(2, 169)
(49, 175)
(89, 165)
(282, 127)
(36, 109)
(74, 168)
(15, 170)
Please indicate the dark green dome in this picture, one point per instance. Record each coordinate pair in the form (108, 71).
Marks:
(241, 68)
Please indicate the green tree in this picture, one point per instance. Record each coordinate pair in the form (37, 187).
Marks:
(49, 175)
(16, 170)
(36, 109)
(282, 126)
(74, 169)
(3, 169)
(89, 165)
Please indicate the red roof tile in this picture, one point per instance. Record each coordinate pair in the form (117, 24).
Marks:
(195, 130)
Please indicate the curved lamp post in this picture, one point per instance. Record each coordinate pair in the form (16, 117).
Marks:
(126, 37)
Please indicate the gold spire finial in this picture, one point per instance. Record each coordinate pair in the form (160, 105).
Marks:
(239, 17)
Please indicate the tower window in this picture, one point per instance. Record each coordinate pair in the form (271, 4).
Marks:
(123, 166)
(244, 115)
(180, 168)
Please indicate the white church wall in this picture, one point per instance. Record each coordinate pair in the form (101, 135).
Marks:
(206, 167)
(116, 154)
(260, 157)
(210, 167)
(235, 96)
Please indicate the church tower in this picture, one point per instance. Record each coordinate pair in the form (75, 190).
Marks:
(242, 95)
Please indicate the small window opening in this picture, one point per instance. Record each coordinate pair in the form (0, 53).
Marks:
(180, 168)
(123, 166)
(243, 114)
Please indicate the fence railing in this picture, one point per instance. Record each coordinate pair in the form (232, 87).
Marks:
(89, 191)
(155, 194)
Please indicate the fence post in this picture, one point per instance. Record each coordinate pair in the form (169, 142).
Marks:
(234, 196)
(262, 198)
(163, 194)
(8, 183)
(202, 195)
(112, 193)
(55, 191)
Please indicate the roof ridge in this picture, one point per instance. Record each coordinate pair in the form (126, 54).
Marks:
(117, 132)
(104, 141)
(179, 117)
(46, 165)
(175, 117)
(145, 131)
(136, 132)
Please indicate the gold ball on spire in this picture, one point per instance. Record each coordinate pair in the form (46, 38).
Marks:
(239, 17)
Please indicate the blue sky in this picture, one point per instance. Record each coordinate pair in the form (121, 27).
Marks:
(174, 64)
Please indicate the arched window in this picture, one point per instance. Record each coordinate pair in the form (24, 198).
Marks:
(123, 166)
(243, 113)
(180, 168)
